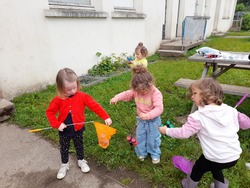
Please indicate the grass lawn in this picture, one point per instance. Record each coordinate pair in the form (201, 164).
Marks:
(30, 113)
(240, 33)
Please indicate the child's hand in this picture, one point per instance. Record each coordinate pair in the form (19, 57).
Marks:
(113, 101)
(143, 116)
(163, 129)
(108, 121)
(61, 127)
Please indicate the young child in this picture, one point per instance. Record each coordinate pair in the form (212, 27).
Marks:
(149, 105)
(216, 125)
(68, 108)
(140, 56)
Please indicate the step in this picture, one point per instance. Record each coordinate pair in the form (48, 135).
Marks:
(227, 89)
(171, 53)
(6, 109)
(171, 47)
(179, 46)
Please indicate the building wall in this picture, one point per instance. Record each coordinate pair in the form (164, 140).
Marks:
(219, 13)
(34, 47)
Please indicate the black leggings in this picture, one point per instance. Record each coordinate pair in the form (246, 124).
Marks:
(202, 165)
(65, 144)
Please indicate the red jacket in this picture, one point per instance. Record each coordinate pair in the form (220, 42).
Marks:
(59, 109)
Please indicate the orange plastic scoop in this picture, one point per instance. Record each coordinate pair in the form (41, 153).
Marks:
(104, 134)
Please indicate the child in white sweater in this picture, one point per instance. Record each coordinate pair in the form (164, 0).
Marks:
(216, 125)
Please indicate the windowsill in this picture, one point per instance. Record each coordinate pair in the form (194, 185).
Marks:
(128, 15)
(73, 13)
(202, 17)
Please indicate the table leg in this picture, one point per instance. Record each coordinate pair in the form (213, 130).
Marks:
(205, 71)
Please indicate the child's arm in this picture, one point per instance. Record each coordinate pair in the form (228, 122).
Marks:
(51, 112)
(123, 96)
(97, 109)
(244, 121)
(190, 128)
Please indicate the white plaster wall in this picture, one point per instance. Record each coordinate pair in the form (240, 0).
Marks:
(171, 19)
(214, 9)
(25, 49)
(220, 23)
(211, 6)
(34, 47)
(225, 24)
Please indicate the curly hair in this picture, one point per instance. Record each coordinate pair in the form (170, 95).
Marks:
(211, 91)
(63, 75)
(142, 49)
(141, 78)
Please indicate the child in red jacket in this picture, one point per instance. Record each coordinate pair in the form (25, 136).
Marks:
(68, 109)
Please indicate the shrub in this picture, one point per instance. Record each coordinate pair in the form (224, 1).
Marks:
(240, 7)
(246, 22)
(108, 64)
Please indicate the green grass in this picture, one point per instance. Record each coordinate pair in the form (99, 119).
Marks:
(30, 113)
(240, 33)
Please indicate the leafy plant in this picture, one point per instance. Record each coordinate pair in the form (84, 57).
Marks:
(108, 64)
(246, 22)
(240, 7)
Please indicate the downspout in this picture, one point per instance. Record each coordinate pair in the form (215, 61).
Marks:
(177, 24)
(164, 25)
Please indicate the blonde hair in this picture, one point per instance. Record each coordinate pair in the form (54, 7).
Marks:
(140, 48)
(211, 91)
(63, 75)
(141, 78)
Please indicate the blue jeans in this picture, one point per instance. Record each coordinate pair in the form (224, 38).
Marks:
(148, 138)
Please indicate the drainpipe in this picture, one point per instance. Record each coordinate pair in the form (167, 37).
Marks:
(164, 25)
(177, 24)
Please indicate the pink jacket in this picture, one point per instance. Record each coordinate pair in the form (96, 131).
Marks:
(151, 104)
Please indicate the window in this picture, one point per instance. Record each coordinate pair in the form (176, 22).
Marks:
(124, 3)
(128, 9)
(75, 9)
(70, 2)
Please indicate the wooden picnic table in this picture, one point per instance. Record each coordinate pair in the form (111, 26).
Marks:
(238, 60)
(221, 65)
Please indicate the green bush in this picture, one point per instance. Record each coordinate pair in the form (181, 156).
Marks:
(108, 64)
(246, 22)
(240, 7)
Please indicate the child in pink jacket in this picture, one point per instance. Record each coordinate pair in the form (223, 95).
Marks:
(149, 106)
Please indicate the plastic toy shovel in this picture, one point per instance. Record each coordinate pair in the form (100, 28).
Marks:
(183, 164)
(104, 134)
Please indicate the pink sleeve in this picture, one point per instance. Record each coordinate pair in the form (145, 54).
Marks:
(244, 121)
(125, 95)
(190, 128)
(158, 106)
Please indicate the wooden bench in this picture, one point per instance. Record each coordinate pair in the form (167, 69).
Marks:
(228, 89)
